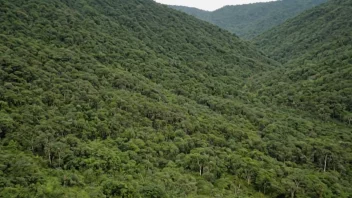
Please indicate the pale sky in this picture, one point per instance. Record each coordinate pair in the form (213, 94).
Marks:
(208, 4)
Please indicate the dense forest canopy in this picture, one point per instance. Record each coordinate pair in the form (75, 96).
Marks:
(129, 98)
(316, 50)
(250, 20)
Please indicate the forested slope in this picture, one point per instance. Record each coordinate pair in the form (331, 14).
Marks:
(250, 20)
(316, 49)
(105, 98)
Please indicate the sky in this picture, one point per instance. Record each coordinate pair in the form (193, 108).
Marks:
(208, 4)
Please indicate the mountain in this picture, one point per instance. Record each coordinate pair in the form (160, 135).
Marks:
(316, 49)
(198, 13)
(250, 20)
(129, 98)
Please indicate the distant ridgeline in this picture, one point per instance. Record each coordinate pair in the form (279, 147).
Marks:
(129, 98)
(250, 20)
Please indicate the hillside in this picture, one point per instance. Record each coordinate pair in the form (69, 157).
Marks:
(250, 20)
(316, 49)
(128, 98)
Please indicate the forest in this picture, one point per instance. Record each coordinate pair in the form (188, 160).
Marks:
(130, 98)
(315, 78)
(250, 20)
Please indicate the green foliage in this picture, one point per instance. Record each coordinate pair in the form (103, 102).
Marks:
(104, 98)
(250, 20)
(316, 50)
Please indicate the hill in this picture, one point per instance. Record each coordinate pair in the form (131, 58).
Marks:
(250, 20)
(198, 13)
(104, 98)
(316, 49)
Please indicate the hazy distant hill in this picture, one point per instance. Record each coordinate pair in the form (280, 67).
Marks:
(250, 20)
(201, 14)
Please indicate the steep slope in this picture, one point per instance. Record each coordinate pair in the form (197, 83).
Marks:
(316, 48)
(250, 20)
(128, 98)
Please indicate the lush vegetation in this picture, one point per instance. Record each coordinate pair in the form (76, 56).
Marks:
(250, 20)
(128, 98)
(316, 49)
